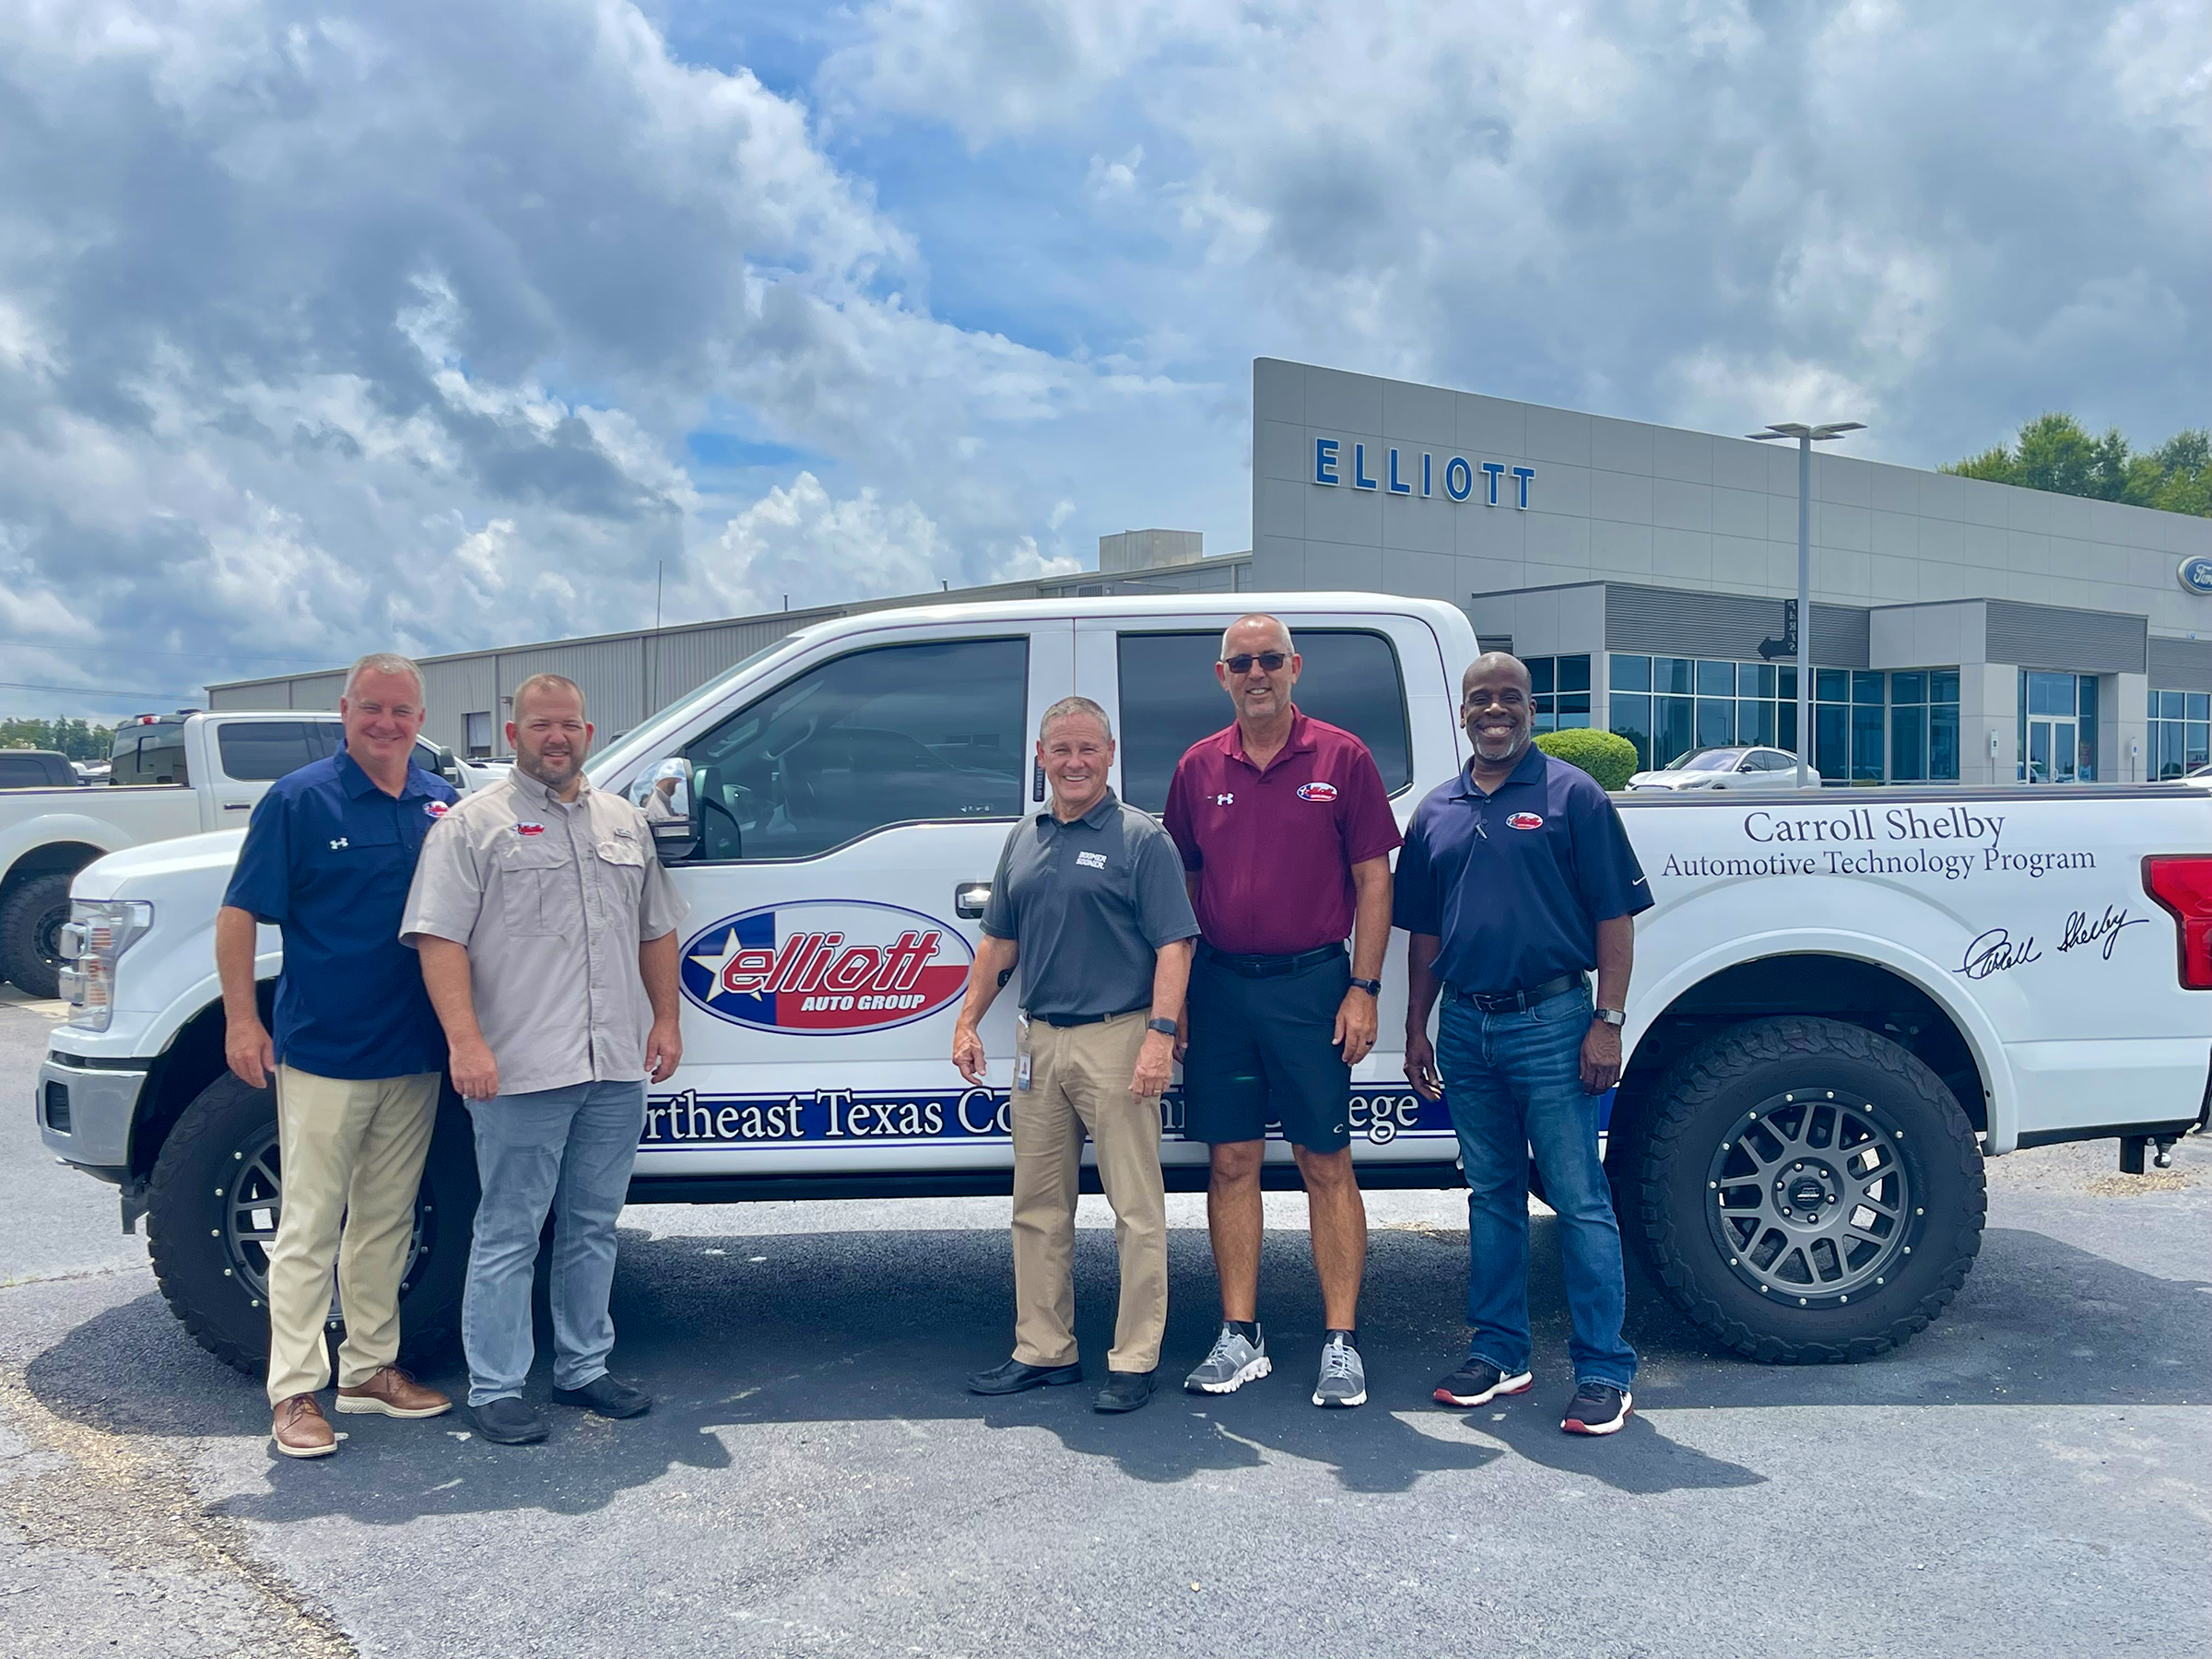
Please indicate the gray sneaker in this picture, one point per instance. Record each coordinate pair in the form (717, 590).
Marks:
(1342, 1378)
(1233, 1363)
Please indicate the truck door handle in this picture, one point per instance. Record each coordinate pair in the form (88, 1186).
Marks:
(970, 898)
(237, 805)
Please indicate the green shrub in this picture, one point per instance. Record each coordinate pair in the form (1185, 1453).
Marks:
(1605, 756)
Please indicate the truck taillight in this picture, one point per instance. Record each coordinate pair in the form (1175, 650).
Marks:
(2182, 883)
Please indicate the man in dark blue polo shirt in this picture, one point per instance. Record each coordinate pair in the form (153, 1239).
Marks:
(1517, 880)
(357, 1052)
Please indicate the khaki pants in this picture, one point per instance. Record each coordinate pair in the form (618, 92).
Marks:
(352, 1152)
(1078, 1081)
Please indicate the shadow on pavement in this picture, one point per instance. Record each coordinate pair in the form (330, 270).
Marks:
(836, 1329)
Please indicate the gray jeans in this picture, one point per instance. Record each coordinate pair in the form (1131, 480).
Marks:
(571, 1148)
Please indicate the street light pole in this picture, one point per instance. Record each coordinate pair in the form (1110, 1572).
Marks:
(1806, 437)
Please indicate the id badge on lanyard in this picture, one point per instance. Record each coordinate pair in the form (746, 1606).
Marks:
(1021, 1054)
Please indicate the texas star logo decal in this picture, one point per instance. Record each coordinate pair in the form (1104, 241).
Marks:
(1524, 820)
(821, 967)
(1317, 792)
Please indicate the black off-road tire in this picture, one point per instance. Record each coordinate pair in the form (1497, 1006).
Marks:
(1686, 1129)
(200, 1269)
(31, 921)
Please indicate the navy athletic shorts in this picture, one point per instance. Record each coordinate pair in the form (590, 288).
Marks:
(1261, 1053)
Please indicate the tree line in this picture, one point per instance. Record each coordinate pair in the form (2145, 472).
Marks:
(2057, 453)
(76, 739)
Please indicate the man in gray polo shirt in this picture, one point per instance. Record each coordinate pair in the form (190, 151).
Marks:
(1089, 899)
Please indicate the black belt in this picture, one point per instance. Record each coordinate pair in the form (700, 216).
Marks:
(1515, 1002)
(1060, 1022)
(1270, 966)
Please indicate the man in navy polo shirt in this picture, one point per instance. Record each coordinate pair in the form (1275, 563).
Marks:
(1517, 880)
(357, 1052)
(1286, 834)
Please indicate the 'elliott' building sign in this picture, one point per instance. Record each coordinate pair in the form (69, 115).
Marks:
(1457, 475)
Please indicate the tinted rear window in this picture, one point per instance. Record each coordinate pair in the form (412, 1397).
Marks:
(259, 751)
(1170, 699)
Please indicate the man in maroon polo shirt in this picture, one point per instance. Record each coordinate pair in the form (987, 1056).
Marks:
(1286, 834)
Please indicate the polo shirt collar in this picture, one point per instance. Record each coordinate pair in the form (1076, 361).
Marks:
(360, 785)
(1299, 742)
(1102, 811)
(537, 794)
(1529, 771)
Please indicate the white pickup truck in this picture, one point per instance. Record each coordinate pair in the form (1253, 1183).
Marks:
(173, 775)
(1843, 1001)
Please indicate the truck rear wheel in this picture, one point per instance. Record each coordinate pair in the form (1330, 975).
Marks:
(213, 1204)
(1807, 1190)
(30, 933)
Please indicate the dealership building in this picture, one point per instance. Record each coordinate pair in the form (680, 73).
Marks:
(1960, 631)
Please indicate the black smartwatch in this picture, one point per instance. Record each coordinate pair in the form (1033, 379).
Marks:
(1372, 987)
(1166, 1027)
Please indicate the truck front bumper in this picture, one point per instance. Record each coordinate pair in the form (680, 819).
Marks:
(85, 1113)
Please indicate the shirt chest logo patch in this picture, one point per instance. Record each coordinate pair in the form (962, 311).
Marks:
(436, 809)
(529, 828)
(339, 844)
(1317, 792)
(1225, 800)
(1523, 820)
(1091, 861)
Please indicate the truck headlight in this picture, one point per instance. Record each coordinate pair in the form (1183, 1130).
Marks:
(97, 934)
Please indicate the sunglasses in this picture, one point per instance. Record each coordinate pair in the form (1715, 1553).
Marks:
(1268, 660)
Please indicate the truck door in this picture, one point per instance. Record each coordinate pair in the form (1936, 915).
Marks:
(853, 815)
(1380, 678)
(246, 757)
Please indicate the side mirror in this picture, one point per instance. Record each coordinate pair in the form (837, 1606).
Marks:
(665, 796)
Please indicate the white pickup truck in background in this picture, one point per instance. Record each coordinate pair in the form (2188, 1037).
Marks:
(177, 774)
(1843, 1000)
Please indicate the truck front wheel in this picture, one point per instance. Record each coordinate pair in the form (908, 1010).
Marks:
(30, 933)
(1807, 1191)
(212, 1208)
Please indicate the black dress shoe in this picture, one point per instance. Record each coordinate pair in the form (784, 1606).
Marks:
(508, 1422)
(1015, 1376)
(606, 1397)
(1124, 1391)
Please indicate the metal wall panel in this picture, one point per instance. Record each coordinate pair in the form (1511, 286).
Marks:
(2181, 665)
(1680, 622)
(2078, 641)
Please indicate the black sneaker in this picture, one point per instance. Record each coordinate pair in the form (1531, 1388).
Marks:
(1124, 1391)
(1477, 1382)
(508, 1422)
(1598, 1408)
(606, 1396)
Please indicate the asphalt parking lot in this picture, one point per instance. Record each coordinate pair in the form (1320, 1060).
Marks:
(2033, 1475)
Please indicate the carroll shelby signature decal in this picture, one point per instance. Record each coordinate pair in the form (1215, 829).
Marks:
(1995, 950)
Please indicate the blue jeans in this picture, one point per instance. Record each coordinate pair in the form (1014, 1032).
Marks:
(1515, 1086)
(570, 1148)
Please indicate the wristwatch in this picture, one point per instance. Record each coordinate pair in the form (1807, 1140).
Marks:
(1166, 1027)
(1612, 1017)
(1372, 987)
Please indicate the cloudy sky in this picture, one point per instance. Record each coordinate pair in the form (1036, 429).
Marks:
(329, 327)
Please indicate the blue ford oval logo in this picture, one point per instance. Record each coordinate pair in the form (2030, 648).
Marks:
(2196, 574)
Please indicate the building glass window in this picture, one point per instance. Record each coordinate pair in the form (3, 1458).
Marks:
(2181, 733)
(1868, 727)
(1560, 687)
(477, 737)
(2057, 727)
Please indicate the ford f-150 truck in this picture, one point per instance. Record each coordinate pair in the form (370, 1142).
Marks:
(173, 775)
(1843, 1000)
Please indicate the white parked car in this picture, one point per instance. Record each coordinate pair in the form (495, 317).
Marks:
(1736, 768)
(1841, 1002)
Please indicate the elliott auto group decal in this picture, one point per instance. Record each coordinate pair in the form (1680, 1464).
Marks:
(825, 966)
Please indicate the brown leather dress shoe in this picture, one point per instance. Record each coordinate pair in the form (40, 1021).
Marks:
(300, 1429)
(392, 1393)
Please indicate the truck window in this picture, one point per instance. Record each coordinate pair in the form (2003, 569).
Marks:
(24, 772)
(894, 735)
(1170, 699)
(157, 757)
(258, 751)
